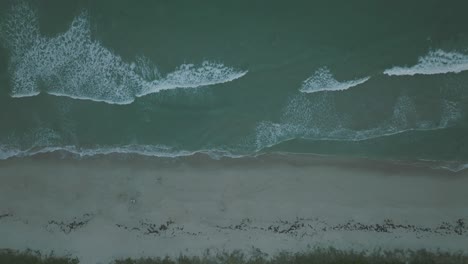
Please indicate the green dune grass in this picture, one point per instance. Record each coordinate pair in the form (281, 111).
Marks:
(316, 256)
(8, 256)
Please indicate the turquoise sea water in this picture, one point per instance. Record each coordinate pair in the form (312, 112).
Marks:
(382, 79)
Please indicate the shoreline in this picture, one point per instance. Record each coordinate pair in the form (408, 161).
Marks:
(442, 167)
(103, 208)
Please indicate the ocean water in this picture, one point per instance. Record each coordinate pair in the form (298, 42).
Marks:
(366, 78)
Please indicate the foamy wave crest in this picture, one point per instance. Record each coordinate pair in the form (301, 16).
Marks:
(143, 150)
(323, 80)
(190, 76)
(453, 166)
(72, 64)
(45, 140)
(319, 120)
(159, 151)
(436, 62)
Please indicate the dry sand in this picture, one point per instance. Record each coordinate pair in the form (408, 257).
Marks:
(105, 208)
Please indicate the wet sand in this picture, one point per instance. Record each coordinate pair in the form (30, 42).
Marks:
(104, 208)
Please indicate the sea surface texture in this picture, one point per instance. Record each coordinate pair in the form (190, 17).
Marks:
(366, 78)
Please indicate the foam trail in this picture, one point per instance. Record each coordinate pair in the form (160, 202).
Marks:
(453, 167)
(45, 140)
(190, 76)
(74, 65)
(319, 120)
(160, 151)
(435, 62)
(323, 80)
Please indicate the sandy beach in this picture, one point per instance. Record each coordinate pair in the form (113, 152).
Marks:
(105, 208)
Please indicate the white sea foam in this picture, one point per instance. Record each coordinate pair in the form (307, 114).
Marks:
(435, 62)
(45, 140)
(300, 117)
(158, 151)
(72, 64)
(454, 167)
(143, 150)
(451, 113)
(323, 80)
(191, 76)
(319, 120)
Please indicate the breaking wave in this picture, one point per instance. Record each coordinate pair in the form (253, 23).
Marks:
(319, 120)
(72, 64)
(143, 150)
(436, 62)
(323, 80)
(46, 140)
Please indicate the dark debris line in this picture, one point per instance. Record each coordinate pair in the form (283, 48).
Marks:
(5, 215)
(169, 228)
(68, 227)
(388, 226)
(295, 228)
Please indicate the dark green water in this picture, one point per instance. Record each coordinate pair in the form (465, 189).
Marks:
(370, 78)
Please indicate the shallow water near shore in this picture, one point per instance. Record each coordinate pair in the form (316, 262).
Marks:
(163, 78)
